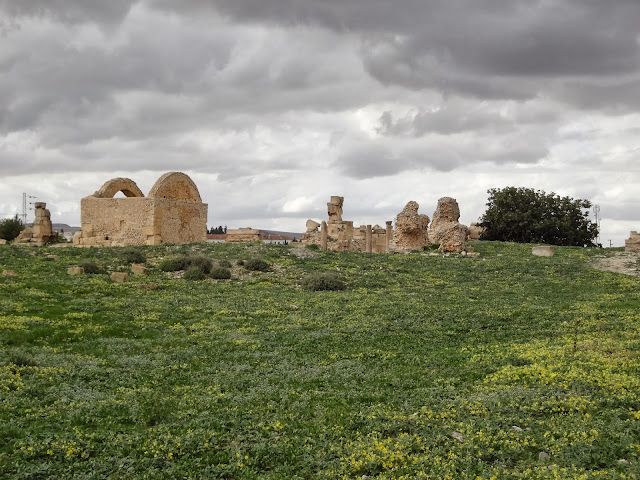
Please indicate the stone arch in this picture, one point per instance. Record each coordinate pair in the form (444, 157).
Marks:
(115, 185)
(175, 186)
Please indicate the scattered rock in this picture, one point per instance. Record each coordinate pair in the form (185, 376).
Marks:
(543, 251)
(138, 269)
(3, 241)
(75, 270)
(542, 456)
(516, 428)
(120, 277)
(148, 286)
(9, 273)
(458, 436)
(623, 461)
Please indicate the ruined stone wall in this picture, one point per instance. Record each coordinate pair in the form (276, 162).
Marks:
(243, 235)
(115, 221)
(173, 212)
(180, 221)
(632, 244)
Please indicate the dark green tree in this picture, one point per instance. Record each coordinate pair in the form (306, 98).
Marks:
(525, 215)
(10, 228)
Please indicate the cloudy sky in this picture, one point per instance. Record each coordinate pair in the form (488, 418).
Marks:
(271, 106)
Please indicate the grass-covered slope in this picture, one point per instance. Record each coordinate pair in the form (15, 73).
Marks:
(503, 366)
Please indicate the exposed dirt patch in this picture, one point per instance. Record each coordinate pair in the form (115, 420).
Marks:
(621, 262)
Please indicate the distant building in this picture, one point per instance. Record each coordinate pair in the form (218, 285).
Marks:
(216, 237)
(250, 235)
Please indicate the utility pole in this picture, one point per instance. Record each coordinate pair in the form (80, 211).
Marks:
(24, 207)
(596, 212)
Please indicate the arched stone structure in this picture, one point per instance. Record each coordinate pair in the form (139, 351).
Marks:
(175, 186)
(115, 185)
(173, 212)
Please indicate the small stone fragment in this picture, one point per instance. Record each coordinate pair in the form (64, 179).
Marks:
(9, 273)
(458, 436)
(516, 428)
(75, 270)
(120, 277)
(542, 456)
(543, 251)
(138, 269)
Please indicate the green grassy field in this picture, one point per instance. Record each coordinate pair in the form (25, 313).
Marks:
(503, 366)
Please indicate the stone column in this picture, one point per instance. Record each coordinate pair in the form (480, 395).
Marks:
(323, 236)
(389, 233)
(368, 239)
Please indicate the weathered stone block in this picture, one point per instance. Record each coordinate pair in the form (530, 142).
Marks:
(75, 270)
(138, 269)
(120, 277)
(9, 273)
(543, 251)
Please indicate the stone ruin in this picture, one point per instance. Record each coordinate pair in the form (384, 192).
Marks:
(475, 232)
(632, 244)
(172, 212)
(340, 235)
(246, 234)
(411, 232)
(445, 228)
(41, 231)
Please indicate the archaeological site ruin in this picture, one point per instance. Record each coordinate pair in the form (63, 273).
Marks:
(632, 244)
(172, 212)
(40, 232)
(412, 230)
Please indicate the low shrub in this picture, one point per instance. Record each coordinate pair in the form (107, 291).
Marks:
(240, 263)
(312, 246)
(194, 273)
(133, 255)
(431, 248)
(171, 265)
(322, 281)
(224, 263)
(202, 263)
(220, 273)
(256, 265)
(186, 262)
(91, 267)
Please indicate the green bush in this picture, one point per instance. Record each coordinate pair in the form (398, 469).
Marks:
(240, 263)
(202, 263)
(312, 246)
(194, 273)
(221, 273)
(133, 255)
(224, 263)
(10, 228)
(322, 281)
(431, 248)
(171, 265)
(90, 266)
(256, 265)
(186, 262)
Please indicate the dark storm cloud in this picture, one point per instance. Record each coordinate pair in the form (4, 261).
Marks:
(70, 11)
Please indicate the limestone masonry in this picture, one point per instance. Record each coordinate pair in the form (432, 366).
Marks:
(40, 232)
(411, 232)
(172, 212)
(632, 244)
(445, 228)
